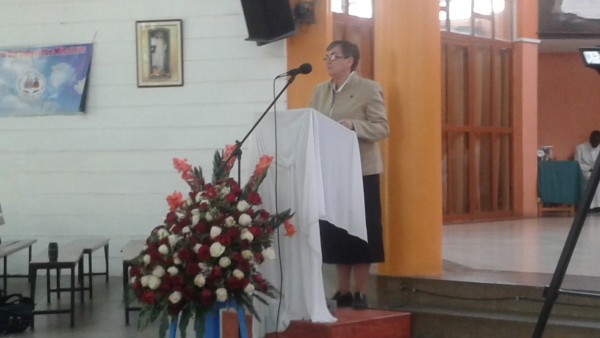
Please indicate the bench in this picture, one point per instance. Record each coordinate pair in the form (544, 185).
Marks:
(88, 245)
(8, 248)
(130, 251)
(69, 257)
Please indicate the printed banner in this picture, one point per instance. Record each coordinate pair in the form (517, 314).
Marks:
(44, 80)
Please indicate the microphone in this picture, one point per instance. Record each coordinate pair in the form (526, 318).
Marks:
(304, 68)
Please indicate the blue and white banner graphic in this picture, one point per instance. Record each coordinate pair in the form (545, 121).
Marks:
(44, 80)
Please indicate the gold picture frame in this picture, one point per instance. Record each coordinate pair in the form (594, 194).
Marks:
(159, 53)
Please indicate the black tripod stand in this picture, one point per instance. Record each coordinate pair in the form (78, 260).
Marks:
(551, 292)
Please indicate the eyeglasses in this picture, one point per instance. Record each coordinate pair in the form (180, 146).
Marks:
(333, 57)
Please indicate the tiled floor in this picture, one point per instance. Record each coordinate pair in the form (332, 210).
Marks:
(519, 251)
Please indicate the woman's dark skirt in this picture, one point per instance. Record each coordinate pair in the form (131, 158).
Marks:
(339, 247)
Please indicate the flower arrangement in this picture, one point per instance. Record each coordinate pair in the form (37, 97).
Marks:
(207, 251)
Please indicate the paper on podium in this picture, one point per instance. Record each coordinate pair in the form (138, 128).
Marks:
(319, 177)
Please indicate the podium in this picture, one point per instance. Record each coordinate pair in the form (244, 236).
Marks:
(318, 174)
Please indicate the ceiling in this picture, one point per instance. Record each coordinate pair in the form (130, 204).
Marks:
(566, 45)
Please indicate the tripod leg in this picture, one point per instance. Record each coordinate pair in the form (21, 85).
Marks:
(552, 291)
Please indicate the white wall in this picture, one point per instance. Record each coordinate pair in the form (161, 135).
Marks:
(107, 172)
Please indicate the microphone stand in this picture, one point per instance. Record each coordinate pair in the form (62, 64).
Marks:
(237, 151)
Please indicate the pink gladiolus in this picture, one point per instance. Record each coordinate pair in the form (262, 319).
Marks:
(263, 164)
(181, 165)
(175, 200)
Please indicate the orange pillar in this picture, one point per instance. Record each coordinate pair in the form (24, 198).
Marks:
(309, 45)
(525, 76)
(408, 67)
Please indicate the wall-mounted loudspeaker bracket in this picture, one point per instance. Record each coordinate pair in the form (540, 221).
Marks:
(304, 12)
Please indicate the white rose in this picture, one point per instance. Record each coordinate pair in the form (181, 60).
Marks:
(243, 205)
(162, 233)
(146, 259)
(229, 221)
(173, 239)
(144, 280)
(221, 294)
(238, 274)
(215, 231)
(216, 249)
(186, 230)
(132, 280)
(195, 219)
(158, 271)
(199, 197)
(208, 216)
(197, 247)
(180, 214)
(249, 289)
(172, 270)
(188, 202)
(199, 280)
(225, 191)
(175, 297)
(224, 262)
(268, 253)
(153, 282)
(202, 266)
(245, 220)
(247, 254)
(247, 235)
(163, 249)
(176, 260)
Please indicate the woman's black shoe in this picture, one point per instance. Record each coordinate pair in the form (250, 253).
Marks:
(344, 300)
(360, 301)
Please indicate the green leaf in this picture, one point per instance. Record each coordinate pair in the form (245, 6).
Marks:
(199, 326)
(186, 314)
(164, 325)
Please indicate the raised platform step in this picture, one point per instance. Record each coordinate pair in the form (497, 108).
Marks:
(353, 324)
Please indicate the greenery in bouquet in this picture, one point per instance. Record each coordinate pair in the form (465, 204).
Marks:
(208, 248)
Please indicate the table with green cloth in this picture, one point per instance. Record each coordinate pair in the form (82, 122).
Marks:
(560, 182)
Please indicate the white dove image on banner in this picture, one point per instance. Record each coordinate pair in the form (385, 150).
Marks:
(44, 80)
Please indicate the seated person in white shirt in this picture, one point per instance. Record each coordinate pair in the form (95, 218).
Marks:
(586, 154)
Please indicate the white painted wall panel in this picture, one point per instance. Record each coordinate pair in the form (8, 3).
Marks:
(107, 172)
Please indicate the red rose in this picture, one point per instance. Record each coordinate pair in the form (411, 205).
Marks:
(259, 257)
(216, 272)
(192, 270)
(136, 285)
(171, 218)
(185, 255)
(225, 240)
(255, 231)
(231, 198)
(173, 309)
(253, 198)
(200, 228)
(203, 207)
(210, 192)
(134, 271)
(176, 229)
(206, 297)
(204, 253)
(148, 297)
(177, 283)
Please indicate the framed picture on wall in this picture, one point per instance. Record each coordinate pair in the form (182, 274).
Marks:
(159, 53)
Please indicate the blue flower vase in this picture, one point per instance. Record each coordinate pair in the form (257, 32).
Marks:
(212, 321)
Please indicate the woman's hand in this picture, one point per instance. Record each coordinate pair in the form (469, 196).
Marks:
(347, 123)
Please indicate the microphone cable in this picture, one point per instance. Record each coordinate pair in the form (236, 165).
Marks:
(279, 304)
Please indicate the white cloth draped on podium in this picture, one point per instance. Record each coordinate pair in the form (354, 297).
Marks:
(318, 175)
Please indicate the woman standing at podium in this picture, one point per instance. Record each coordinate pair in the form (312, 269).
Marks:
(357, 104)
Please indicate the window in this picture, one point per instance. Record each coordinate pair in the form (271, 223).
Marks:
(358, 8)
(483, 18)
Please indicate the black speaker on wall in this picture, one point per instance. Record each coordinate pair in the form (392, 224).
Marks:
(268, 20)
